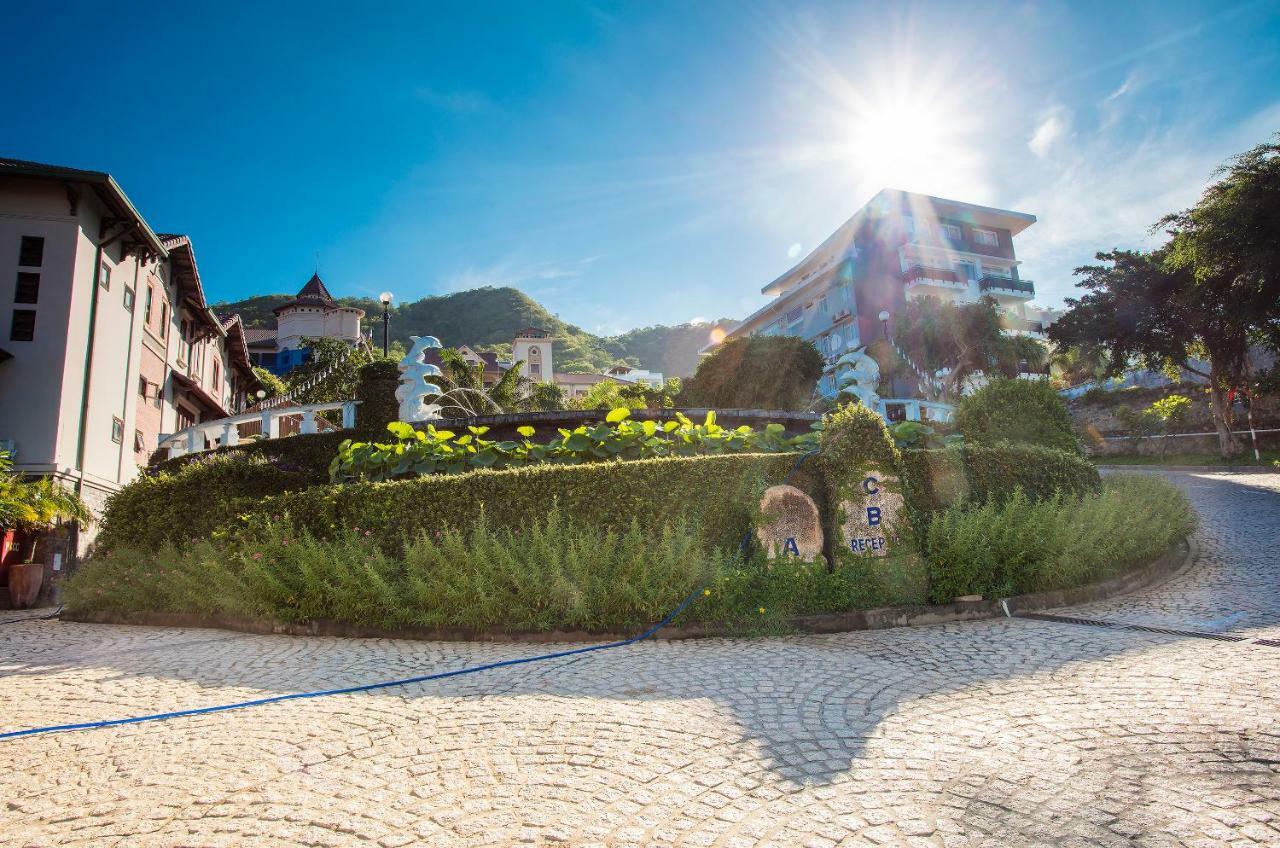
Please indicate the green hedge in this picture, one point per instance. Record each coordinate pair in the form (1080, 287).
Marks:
(206, 492)
(937, 479)
(718, 492)
(376, 391)
(1019, 412)
(308, 454)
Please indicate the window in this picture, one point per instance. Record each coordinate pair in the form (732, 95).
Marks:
(157, 400)
(142, 386)
(216, 375)
(146, 306)
(917, 227)
(23, 328)
(952, 232)
(31, 253)
(28, 289)
(104, 276)
(185, 419)
(987, 237)
(117, 430)
(164, 320)
(128, 299)
(139, 441)
(822, 306)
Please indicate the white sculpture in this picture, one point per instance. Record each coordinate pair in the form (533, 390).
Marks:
(857, 376)
(414, 387)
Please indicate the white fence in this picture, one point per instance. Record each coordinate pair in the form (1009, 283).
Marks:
(226, 431)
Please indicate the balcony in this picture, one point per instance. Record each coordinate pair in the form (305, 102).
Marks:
(918, 276)
(1021, 326)
(1007, 286)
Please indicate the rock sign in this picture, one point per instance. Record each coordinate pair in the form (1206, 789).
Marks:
(789, 524)
(869, 519)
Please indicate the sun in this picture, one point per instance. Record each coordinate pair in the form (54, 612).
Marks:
(907, 139)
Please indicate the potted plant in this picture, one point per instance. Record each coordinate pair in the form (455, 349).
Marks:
(29, 508)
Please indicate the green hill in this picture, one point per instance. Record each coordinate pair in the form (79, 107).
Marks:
(489, 317)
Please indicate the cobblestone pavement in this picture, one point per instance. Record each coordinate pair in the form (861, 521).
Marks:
(986, 733)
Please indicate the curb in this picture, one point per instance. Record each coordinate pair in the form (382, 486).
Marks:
(1180, 557)
(1234, 469)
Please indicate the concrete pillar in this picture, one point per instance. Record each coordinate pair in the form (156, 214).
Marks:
(308, 421)
(230, 435)
(270, 425)
(913, 410)
(348, 414)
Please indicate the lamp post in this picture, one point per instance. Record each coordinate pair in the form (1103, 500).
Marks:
(884, 322)
(385, 298)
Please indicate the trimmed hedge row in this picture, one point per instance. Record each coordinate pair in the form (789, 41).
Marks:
(719, 492)
(308, 454)
(937, 479)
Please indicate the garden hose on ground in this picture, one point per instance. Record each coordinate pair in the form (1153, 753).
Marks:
(57, 612)
(371, 687)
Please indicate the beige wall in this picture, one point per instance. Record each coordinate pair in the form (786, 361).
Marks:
(302, 322)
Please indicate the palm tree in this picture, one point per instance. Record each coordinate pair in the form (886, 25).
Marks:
(465, 393)
(36, 505)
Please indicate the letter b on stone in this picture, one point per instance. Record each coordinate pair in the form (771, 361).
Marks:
(873, 516)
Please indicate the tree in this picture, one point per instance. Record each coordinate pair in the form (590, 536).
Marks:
(1018, 411)
(757, 372)
(1199, 302)
(546, 397)
(465, 393)
(330, 374)
(963, 340)
(271, 384)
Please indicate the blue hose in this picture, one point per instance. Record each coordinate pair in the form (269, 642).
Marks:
(370, 687)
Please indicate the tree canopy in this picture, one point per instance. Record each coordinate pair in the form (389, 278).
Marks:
(963, 339)
(757, 372)
(1201, 301)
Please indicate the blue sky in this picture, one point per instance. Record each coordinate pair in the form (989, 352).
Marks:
(636, 163)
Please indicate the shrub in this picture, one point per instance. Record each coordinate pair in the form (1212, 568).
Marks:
(937, 479)
(548, 575)
(196, 497)
(1018, 411)
(758, 372)
(310, 454)
(757, 594)
(1016, 545)
(376, 385)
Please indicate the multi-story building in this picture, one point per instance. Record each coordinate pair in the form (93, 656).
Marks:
(312, 314)
(899, 245)
(106, 341)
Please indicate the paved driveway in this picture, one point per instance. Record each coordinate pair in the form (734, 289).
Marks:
(987, 733)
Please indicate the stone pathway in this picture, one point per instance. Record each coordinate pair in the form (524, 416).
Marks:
(991, 733)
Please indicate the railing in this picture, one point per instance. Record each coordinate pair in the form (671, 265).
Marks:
(303, 387)
(1022, 325)
(917, 273)
(1006, 284)
(226, 431)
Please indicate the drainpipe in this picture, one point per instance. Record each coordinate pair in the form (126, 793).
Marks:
(82, 436)
(128, 365)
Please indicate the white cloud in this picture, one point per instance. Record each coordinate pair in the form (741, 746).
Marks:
(1110, 188)
(1055, 124)
(794, 250)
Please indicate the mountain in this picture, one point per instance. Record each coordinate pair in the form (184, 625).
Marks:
(489, 317)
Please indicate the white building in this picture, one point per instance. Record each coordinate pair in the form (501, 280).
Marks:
(106, 340)
(313, 313)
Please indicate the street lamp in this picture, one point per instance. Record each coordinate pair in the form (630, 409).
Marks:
(385, 298)
(884, 322)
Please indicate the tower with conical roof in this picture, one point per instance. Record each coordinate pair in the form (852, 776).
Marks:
(313, 313)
